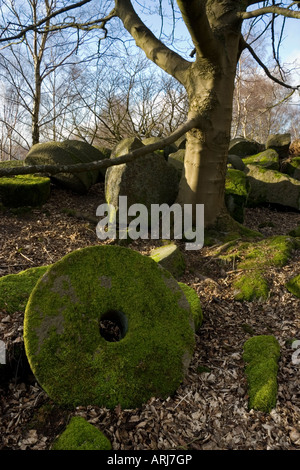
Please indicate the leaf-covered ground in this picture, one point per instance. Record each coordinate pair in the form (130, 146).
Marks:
(210, 409)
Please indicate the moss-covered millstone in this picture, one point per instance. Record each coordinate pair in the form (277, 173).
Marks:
(15, 289)
(24, 190)
(261, 354)
(170, 257)
(236, 193)
(66, 335)
(293, 285)
(194, 302)
(81, 435)
(67, 153)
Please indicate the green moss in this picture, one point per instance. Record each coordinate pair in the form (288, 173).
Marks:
(268, 159)
(74, 363)
(293, 286)
(81, 435)
(203, 370)
(15, 289)
(236, 183)
(170, 257)
(12, 163)
(236, 193)
(254, 259)
(261, 355)
(195, 304)
(295, 232)
(24, 190)
(251, 286)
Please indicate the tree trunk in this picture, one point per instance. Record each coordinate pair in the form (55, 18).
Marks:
(203, 180)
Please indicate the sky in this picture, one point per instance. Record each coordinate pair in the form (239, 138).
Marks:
(289, 50)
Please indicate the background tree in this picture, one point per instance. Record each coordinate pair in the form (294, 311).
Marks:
(208, 77)
(30, 66)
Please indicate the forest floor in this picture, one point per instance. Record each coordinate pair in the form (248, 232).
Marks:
(209, 411)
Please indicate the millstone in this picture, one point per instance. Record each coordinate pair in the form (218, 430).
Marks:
(71, 356)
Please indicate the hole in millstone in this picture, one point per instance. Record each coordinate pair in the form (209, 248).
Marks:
(113, 325)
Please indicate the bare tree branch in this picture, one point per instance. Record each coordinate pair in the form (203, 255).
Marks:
(268, 73)
(155, 50)
(275, 9)
(106, 163)
(195, 17)
(34, 26)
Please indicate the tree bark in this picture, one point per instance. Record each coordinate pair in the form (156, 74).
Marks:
(214, 27)
(203, 181)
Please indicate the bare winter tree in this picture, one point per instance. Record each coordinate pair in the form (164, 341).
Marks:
(127, 98)
(208, 77)
(35, 57)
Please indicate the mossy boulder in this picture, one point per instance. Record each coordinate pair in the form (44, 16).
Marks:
(261, 355)
(24, 190)
(125, 146)
(236, 193)
(87, 153)
(279, 142)
(181, 142)
(236, 162)
(272, 187)
(147, 180)
(67, 153)
(177, 160)
(244, 147)
(67, 340)
(171, 258)
(195, 304)
(293, 286)
(15, 289)
(268, 159)
(81, 435)
(12, 163)
(165, 151)
(292, 168)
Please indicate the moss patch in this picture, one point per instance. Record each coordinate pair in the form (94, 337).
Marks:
(81, 435)
(293, 286)
(268, 159)
(254, 259)
(170, 257)
(295, 232)
(15, 289)
(24, 190)
(261, 354)
(74, 363)
(195, 304)
(236, 193)
(251, 286)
